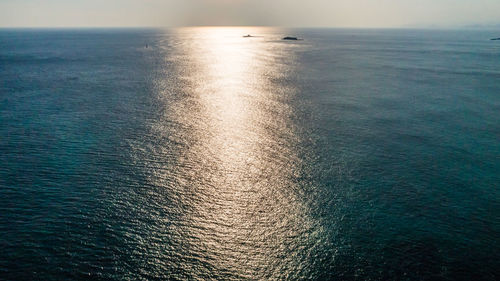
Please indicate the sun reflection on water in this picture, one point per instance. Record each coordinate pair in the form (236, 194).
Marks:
(236, 165)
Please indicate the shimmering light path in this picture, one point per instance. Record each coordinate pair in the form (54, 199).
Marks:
(237, 174)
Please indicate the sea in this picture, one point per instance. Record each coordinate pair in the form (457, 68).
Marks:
(200, 154)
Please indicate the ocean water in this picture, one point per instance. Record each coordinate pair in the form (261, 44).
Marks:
(197, 154)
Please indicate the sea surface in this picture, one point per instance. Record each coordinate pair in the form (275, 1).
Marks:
(197, 154)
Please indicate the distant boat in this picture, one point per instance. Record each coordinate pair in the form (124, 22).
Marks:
(495, 38)
(247, 36)
(290, 38)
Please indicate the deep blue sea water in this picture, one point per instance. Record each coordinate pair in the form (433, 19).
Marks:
(197, 154)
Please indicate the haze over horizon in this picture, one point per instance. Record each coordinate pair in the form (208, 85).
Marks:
(289, 13)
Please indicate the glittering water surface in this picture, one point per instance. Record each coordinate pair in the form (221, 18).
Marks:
(198, 154)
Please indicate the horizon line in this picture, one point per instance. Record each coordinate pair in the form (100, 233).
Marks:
(429, 27)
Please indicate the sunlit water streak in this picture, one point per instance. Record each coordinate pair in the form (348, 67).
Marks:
(197, 154)
(244, 209)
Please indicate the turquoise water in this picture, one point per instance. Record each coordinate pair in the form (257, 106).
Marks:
(197, 154)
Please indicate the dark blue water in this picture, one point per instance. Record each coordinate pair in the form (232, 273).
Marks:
(197, 154)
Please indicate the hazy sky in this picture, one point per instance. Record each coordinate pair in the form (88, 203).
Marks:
(295, 13)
